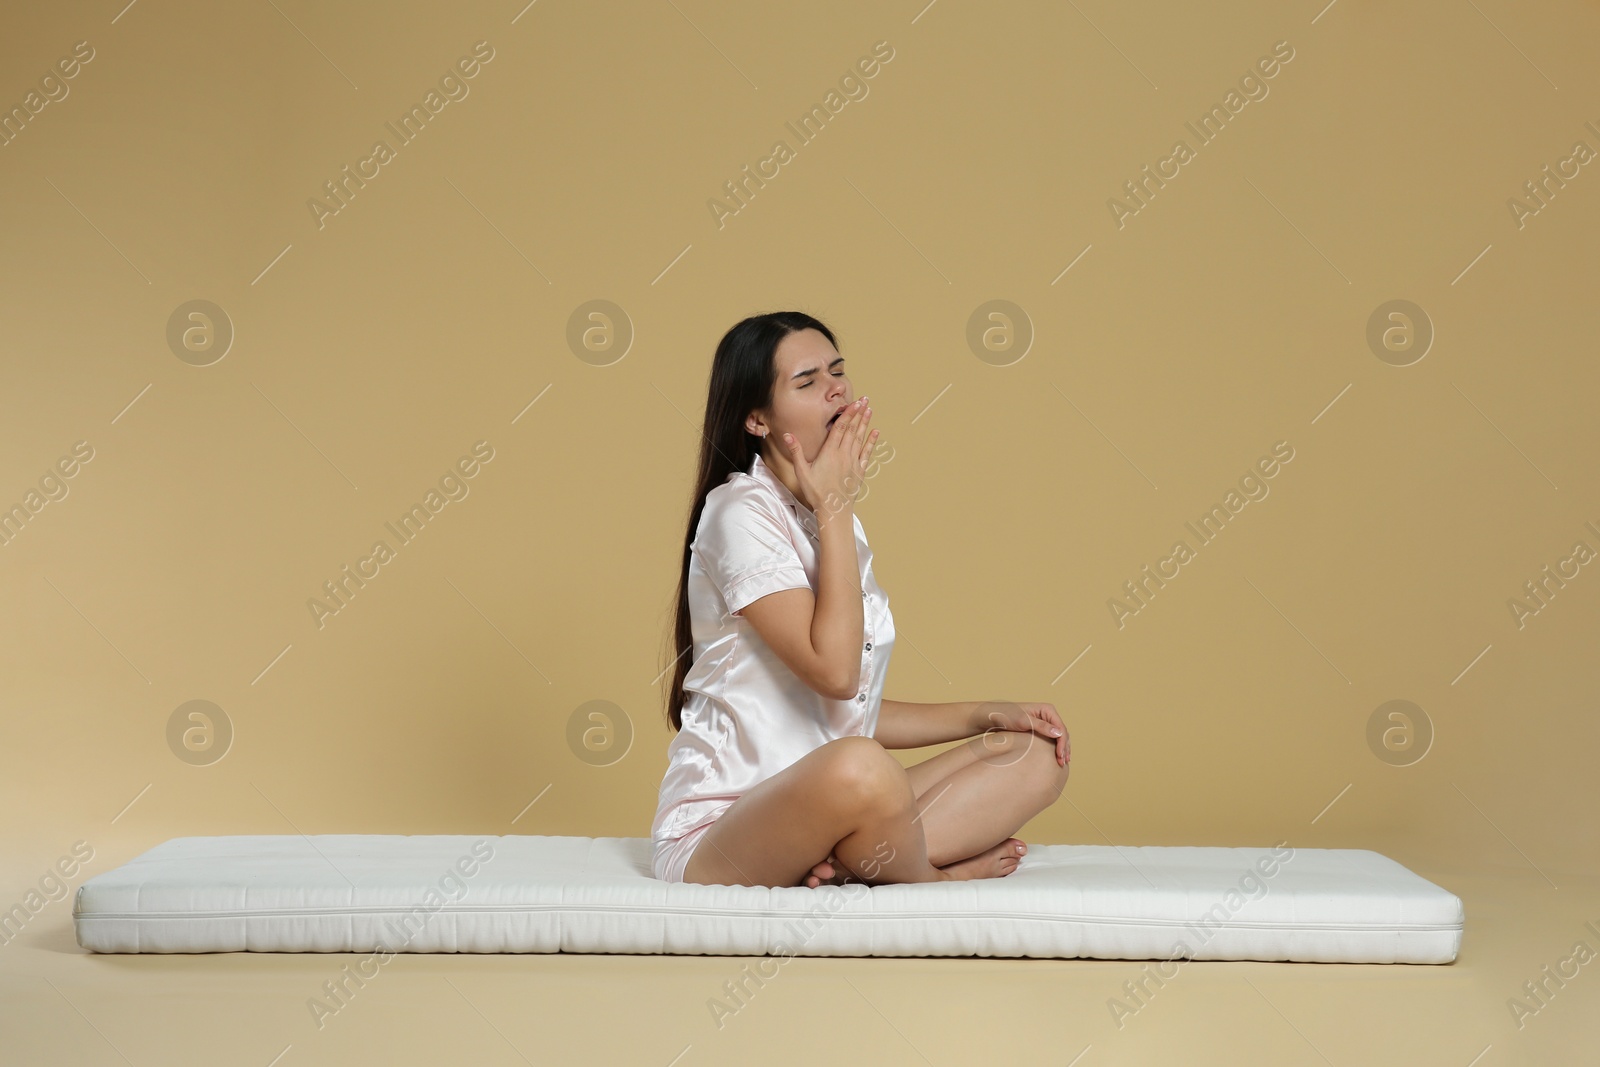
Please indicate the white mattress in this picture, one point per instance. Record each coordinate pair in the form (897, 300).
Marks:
(393, 893)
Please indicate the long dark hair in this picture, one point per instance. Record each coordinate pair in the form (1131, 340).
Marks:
(744, 373)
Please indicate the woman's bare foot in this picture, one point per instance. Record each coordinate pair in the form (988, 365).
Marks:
(997, 862)
(827, 873)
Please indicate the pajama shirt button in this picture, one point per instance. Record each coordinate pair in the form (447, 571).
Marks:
(869, 646)
(861, 698)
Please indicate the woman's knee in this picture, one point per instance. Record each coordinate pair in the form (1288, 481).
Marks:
(1048, 776)
(1031, 757)
(863, 773)
(1003, 748)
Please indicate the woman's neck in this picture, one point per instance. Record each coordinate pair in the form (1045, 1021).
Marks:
(783, 470)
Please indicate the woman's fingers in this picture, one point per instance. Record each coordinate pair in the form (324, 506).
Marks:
(852, 439)
(852, 416)
(846, 423)
(859, 431)
(1051, 728)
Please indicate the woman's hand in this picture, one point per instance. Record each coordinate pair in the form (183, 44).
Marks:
(832, 480)
(1025, 718)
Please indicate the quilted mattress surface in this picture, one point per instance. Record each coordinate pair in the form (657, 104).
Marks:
(450, 893)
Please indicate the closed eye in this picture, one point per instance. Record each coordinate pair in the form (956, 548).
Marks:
(808, 382)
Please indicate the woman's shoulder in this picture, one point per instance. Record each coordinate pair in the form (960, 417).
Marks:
(742, 513)
(741, 492)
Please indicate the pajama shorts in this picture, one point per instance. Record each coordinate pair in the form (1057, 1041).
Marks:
(672, 853)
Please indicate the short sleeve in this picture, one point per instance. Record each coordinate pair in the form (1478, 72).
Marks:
(744, 546)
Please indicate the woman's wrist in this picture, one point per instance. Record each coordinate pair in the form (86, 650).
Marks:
(838, 513)
(977, 722)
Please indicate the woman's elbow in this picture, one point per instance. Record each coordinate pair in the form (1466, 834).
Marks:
(847, 687)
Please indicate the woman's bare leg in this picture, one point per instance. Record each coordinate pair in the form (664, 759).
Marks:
(1008, 778)
(975, 795)
(849, 797)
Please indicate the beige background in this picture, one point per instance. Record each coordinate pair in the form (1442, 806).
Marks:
(433, 311)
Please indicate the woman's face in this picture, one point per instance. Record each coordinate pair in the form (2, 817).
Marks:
(811, 387)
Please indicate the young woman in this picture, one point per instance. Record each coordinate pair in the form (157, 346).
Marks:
(779, 774)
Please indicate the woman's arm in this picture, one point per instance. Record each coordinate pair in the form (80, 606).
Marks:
(903, 724)
(839, 619)
(818, 636)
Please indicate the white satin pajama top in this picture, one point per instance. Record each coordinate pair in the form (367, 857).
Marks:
(746, 715)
